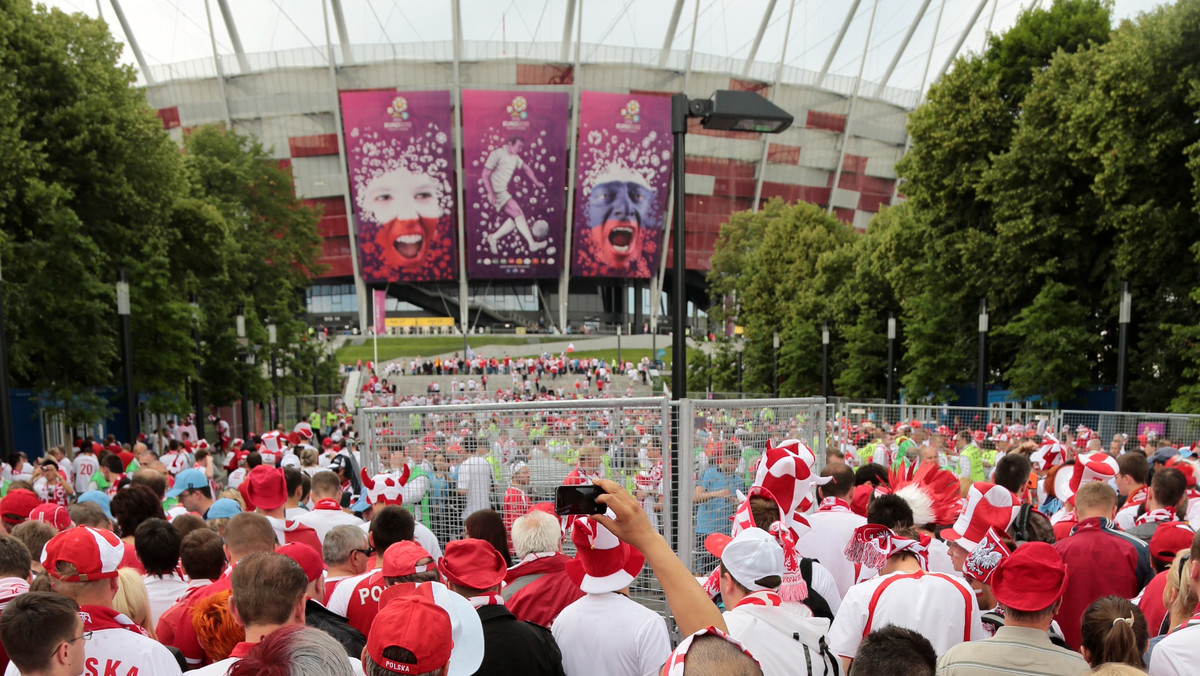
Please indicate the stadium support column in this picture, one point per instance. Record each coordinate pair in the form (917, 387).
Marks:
(360, 288)
(464, 290)
(761, 169)
(133, 47)
(837, 174)
(564, 280)
(924, 76)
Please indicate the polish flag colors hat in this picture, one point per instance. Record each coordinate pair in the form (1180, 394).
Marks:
(785, 474)
(264, 488)
(1031, 579)
(384, 489)
(1050, 453)
(982, 562)
(272, 441)
(602, 563)
(471, 563)
(55, 515)
(437, 625)
(400, 559)
(306, 556)
(17, 504)
(988, 506)
(1088, 467)
(304, 430)
(95, 554)
(750, 555)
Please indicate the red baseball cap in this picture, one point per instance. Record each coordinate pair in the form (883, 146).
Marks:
(306, 556)
(472, 563)
(1169, 538)
(401, 559)
(16, 506)
(55, 515)
(417, 624)
(1031, 579)
(96, 554)
(264, 488)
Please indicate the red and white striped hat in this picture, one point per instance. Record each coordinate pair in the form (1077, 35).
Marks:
(272, 441)
(988, 506)
(1088, 467)
(785, 474)
(602, 562)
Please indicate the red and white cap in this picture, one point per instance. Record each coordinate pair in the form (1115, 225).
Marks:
(438, 626)
(999, 437)
(55, 515)
(676, 662)
(602, 563)
(785, 474)
(96, 554)
(988, 506)
(400, 559)
(202, 445)
(304, 430)
(384, 489)
(272, 441)
(983, 560)
(1088, 467)
(748, 556)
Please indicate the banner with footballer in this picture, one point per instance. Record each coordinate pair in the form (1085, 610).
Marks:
(514, 164)
(401, 164)
(624, 170)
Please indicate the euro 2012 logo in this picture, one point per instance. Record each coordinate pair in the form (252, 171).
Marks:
(518, 109)
(398, 109)
(632, 111)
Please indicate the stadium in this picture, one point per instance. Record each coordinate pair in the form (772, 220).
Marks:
(848, 73)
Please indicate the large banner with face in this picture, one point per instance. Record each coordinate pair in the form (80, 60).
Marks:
(398, 146)
(514, 150)
(624, 165)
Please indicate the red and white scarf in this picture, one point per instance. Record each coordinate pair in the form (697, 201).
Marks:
(834, 505)
(328, 504)
(1136, 498)
(1156, 516)
(761, 598)
(873, 544)
(96, 618)
(486, 600)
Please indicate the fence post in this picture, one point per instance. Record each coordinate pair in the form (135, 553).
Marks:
(686, 522)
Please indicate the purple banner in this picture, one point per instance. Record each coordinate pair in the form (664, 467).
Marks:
(399, 148)
(624, 165)
(514, 150)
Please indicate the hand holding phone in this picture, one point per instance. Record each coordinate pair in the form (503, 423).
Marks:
(578, 500)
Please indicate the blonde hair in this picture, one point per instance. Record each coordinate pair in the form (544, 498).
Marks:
(1178, 596)
(233, 494)
(132, 600)
(1117, 669)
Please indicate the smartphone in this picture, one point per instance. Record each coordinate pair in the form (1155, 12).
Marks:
(578, 500)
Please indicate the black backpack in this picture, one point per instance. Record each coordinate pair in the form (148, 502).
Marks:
(818, 605)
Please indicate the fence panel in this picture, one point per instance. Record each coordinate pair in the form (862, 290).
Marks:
(1113, 430)
(726, 439)
(620, 439)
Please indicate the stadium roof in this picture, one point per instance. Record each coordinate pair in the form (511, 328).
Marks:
(910, 41)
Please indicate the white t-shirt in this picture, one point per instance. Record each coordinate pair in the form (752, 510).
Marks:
(1178, 654)
(503, 165)
(475, 475)
(85, 466)
(122, 652)
(826, 542)
(602, 634)
(163, 592)
(933, 604)
(325, 520)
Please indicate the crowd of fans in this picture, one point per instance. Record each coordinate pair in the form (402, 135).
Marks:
(907, 549)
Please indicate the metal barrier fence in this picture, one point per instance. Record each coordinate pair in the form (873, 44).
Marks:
(632, 442)
(1111, 431)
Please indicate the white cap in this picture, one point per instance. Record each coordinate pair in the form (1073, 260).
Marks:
(751, 555)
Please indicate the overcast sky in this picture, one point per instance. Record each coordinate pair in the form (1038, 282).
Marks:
(171, 31)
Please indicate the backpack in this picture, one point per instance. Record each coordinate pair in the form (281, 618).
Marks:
(818, 605)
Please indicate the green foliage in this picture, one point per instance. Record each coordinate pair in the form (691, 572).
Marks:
(91, 185)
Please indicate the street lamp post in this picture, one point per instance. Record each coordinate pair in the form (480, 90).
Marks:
(981, 378)
(891, 367)
(197, 387)
(825, 360)
(131, 412)
(271, 339)
(1122, 345)
(240, 323)
(724, 110)
(619, 362)
(775, 370)
(741, 346)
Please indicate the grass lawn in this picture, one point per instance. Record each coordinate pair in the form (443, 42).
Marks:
(631, 354)
(425, 346)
